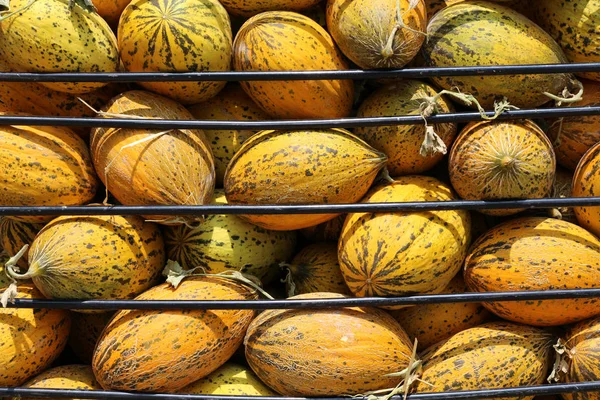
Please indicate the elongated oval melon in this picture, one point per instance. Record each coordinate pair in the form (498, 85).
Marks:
(301, 167)
(49, 36)
(72, 376)
(585, 184)
(326, 352)
(230, 379)
(16, 234)
(534, 253)
(401, 253)
(288, 41)
(170, 350)
(248, 8)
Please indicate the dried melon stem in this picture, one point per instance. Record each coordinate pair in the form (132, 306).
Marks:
(11, 271)
(566, 97)
(384, 175)
(288, 280)
(388, 50)
(557, 191)
(561, 365)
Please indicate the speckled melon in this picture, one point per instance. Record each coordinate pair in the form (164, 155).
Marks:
(585, 184)
(402, 143)
(402, 253)
(368, 31)
(95, 257)
(485, 33)
(153, 167)
(176, 36)
(170, 350)
(230, 379)
(44, 166)
(522, 6)
(432, 323)
(227, 242)
(573, 136)
(48, 36)
(301, 167)
(328, 231)
(231, 104)
(248, 8)
(575, 25)
(535, 253)
(85, 331)
(72, 376)
(315, 269)
(491, 356)
(16, 234)
(288, 41)
(326, 352)
(500, 161)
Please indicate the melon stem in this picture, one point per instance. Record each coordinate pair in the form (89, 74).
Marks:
(11, 264)
(507, 162)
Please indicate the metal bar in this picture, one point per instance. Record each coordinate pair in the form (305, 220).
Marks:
(293, 124)
(422, 72)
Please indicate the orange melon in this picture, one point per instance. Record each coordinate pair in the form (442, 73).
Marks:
(72, 376)
(585, 184)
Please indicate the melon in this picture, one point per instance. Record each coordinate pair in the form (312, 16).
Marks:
(403, 253)
(501, 161)
(248, 8)
(378, 33)
(230, 379)
(151, 167)
(51, 36)
(301, 167)
(491, 356)
(170, 350)
(65, 377)
(176, 36)
(406, 146)
(288, 41)
(231, 104)
(227, 242)
(328, 352)
(111, 10)
(44, 166)
(328, 231)
(536, 253)
(522, 6)
(585, 184)
(454, 40)
(85, 331)
(16, 234)
(432, 323)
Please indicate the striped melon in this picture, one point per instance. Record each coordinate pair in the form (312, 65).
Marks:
(95, 257)
(401, 253)
(176, 36)
(328, 231)
(230, 379)
(227, 242)
(248, 8)
(288, 41)
(85, 331)
(432, 323)
(16, 234)
(402, 143)
(491, 356)
(502, 160)
(232, 103)
(575, 24)
(574, 136)
(454, 39)
(147, 167)
(535, 253)
(50, 36)
(369, 33)
(301, 167)
(327, 352)
(315, 269)
(585, 184)
(170, 350)
(72, 376)
(44, 166)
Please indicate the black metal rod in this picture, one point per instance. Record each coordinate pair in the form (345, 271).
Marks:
(293, 124)
(301, 209)
(422, 72)
(522, 391)
(305, 303)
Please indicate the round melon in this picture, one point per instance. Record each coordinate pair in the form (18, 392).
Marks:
(500, 161)
(170, 350)
(575, 25)
(44, 166)
(293, 42)
(491, 356)
(301, 167)
(176, 36)
(230, 379)
(326, 352)
(153, 167)
(328, 231)
(402, 253)
(227, 242)
(111, 10)
(585, 184)
(402, 143)
(573, 136)
(231, 104)
(85, 331)
(65, 377)
(16, 234)
(95, 257)
(536, 253)
(454, 39)
(432, 323)
(369, 33)
(315, 269)
(248, 8)
(50, 36)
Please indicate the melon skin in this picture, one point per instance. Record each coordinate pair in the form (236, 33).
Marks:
(230, 379)
(249, 8)
(72, 376)
(16, 234)
(585, 184)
